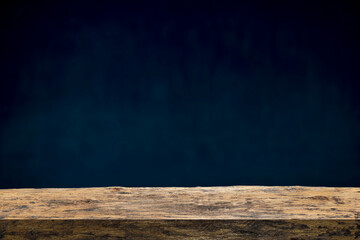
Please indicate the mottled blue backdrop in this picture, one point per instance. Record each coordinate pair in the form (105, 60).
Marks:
(179, 93)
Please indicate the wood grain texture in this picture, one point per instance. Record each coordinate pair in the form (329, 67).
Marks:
(236, 212)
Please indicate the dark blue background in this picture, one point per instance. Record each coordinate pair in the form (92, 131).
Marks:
(179, 93)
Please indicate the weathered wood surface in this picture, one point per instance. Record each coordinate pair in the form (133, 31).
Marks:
(237, 212)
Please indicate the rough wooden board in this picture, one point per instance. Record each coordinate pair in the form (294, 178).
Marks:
(239, 212)
(199, 203)
(180, 229)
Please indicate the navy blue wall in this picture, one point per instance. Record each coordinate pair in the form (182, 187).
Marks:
(179, 93)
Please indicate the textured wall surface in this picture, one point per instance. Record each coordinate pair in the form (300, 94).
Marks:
(148, 93)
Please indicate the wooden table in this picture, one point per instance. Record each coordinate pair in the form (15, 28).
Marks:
(236, 212)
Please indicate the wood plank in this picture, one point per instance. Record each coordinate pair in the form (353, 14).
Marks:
(236, 212)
